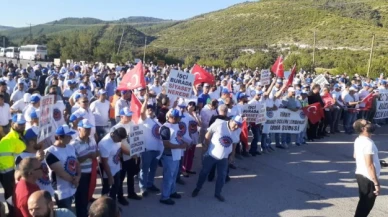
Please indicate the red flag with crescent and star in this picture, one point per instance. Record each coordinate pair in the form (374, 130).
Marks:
(135, 107)
(278, 67)
(202, 76)
(133, 78)
(292, 76)
(368, 100)
(313, 112)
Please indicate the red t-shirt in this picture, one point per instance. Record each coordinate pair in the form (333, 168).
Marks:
(23, 190)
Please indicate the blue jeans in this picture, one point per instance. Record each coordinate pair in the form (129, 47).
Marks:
(65, 203)
(286, 138)
(208, 163)
(265, 140)
(256, 138)
(101, 132)
(349, 119)
(170, 172)
(300, 137)
(149, 163)
(277, 138)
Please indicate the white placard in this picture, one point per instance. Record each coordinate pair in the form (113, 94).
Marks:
(136, 140)
(265, 77)
(285, 121)
(255, 113)
(179, 84)
(321, 80)
(46, 124)
(382, 105)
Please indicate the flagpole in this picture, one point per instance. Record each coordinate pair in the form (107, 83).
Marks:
(371, 55)
(145, 47)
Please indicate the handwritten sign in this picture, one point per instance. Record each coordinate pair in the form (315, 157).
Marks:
(321, 80)
(265, 77)
(382, 105)
(251, 112)
(179, 84)
(45, 119)
(136, 140)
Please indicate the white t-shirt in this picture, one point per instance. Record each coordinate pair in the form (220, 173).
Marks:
(222, 140)
(100, 111)
(362, 94)
(20, 105)
(365, 146)
(156, 89)
(111, 150)
(206, 114)
(58, 109)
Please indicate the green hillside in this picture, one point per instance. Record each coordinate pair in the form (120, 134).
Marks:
(257, 25)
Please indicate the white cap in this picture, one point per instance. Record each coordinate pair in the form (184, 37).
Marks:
(26, 97)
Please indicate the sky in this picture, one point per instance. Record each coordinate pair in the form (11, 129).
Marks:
(20, 13)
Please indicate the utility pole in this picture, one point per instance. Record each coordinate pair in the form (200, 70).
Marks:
(371, 55)
(30, 29)
(315, 39)
(145, 47)
(121, 40)
(4, 42)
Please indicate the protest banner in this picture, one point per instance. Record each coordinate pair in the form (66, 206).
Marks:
(265, 77)
(179, 84)
(382, 105)
(255, 113)
(46, 124)
(321, 80)
(285, 121)
(136, 140)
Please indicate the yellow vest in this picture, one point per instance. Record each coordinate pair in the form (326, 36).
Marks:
(10, 146)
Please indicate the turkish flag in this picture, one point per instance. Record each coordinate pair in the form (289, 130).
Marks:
(244, 134)
(93, 179)
(278, 67)
(133, 78)
(292, 75)
(135, 107)
(314, 112)
(201, 75)
(368, 100)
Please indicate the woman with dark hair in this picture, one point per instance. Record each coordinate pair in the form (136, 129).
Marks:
(194, 135)
(368, 167)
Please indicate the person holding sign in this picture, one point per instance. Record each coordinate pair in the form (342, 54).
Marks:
(257, 102)
(221, 138)
(292, 104)
(174, 145)
(153, 148)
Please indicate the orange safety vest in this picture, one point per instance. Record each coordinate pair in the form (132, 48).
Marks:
(113, 99)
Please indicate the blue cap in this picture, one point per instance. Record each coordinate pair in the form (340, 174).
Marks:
(238, 119)
(124, 92)
(75, 116)
(77, 67)
(176, 113)
(18, 118)
(241, 96)
(126, 112)
(225, 91)
(31, 133)
(33, 114)
(337, 86)
(24, 71)
(71, 73)
(84, 123)
(64, 130)
(82, 87)
(34, 98)
(77, 96)
(342, 80)
(384, 82)
(44, 71)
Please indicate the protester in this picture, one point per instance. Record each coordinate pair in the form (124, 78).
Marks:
(30, 170)
(104, 207)
(40, 204)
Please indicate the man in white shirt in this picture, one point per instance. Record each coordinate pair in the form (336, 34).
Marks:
(156, 86)
(86, 113)
(18, 93)
(352, 104)
(100, 110)
(221, 138)
(257, 101)
(362, 94)
(5, 115)
(122, 103)
(367, 167)
(34, 106)
(110, 152)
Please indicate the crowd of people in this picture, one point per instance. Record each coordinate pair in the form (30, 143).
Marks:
(93, 123)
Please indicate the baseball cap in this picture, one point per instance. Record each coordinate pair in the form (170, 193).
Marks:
(9, 74)
(182, 103)
(75, 116)
(238, 119)
(337, 86)
(259, 92)
(352, 88)
(225, 91)
(176, 113)
(34, 98)
(141, 88)
(31, 133)
(102, 91)
(206, 85)
(26, 97)
(77, 96)
(291, 89)
(33, 114)
(20, 81)
(64, 130)
(82, 87)
(124, 92)
(241, 96)
(126, 112)
(384, 82)
(18, 118)
(279, 81)
(84, 123)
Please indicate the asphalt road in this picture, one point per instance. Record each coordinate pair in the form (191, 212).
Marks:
(312, 180)
(23, 62)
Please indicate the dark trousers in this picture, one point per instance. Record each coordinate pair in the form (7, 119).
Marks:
(65, 203)
(326, 121)
(129, 168)
(212, 172)
(8, 182)
(312, 130)
(178, 177)
(208, 163)
(82, 195)
(320, 127)
(366, 195)
(111, 190)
